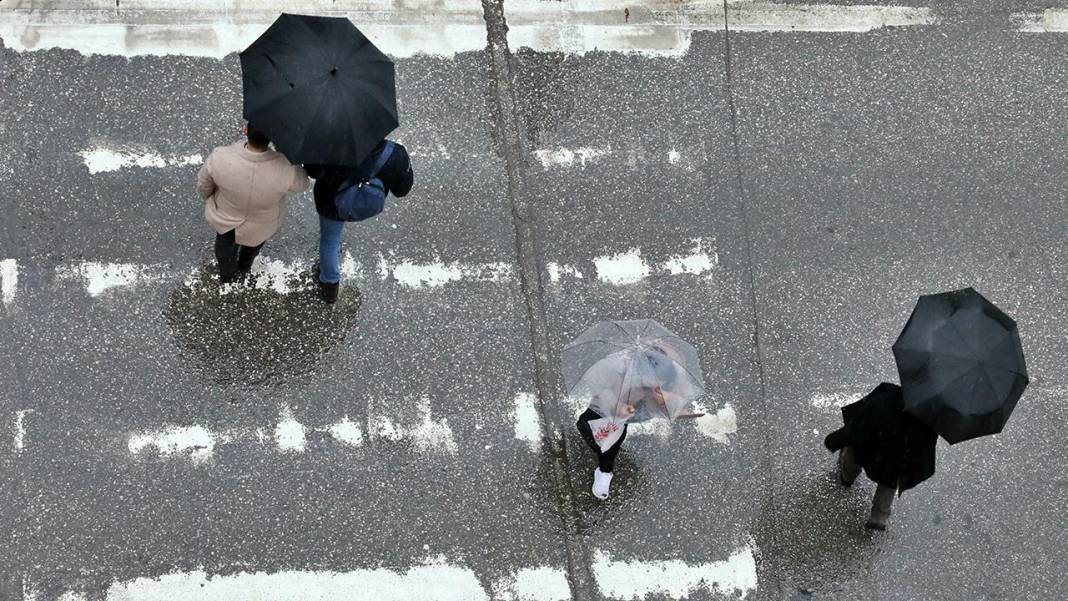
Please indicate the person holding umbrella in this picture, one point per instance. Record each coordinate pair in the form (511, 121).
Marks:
(244, 186)
(896, 450)
(327, 97)
(629, 372)
(387, 170)
(962, 373)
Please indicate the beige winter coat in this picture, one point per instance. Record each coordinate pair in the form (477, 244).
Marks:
(246, 191)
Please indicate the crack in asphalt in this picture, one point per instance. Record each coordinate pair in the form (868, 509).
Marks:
(511, 145)
(768, 502)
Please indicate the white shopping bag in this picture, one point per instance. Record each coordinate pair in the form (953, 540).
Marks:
(606, 432)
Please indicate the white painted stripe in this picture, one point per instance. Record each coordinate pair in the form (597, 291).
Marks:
(527, 420)
(698, 262)
(434, 580)
(428, 435)
(825, 17)
(435, 27)
(556, 271)
(568, 157)
(1052, 20)
(100, 277)
(624, 268)
(718, 425)
(533, 584)
(289, 433)
(105, 160)
(833, 400)
(665, 27)
(9, 280)
(638, 579)
(20, 429)
(196, 442)
(437, 274)
(628, 267)
(208, 28)
(347, 432)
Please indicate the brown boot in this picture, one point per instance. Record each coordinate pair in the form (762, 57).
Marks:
(329, 292)
(880, 507)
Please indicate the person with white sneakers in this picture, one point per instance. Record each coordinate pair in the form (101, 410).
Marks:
(636, 404)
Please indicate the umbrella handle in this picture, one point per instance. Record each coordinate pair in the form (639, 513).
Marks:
(690, 415)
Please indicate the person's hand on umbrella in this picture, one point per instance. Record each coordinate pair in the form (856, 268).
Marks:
(625, 410)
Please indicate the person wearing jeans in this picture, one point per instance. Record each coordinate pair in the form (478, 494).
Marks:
(397, 178)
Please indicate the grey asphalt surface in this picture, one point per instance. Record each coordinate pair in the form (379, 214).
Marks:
(836, 176)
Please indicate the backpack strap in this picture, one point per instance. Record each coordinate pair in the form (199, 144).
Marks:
(380, 162)
(382, 158)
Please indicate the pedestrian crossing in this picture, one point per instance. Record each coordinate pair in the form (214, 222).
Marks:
(662, 28)
(438, 578)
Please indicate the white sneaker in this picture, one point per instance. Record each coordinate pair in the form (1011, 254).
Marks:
(601, 482)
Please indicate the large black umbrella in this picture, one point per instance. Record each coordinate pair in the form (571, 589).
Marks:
(319, 89)
(961, 365)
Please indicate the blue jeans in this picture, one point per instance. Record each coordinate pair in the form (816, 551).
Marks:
(330, 250)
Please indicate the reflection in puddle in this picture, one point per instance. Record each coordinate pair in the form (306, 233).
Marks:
(250, 333)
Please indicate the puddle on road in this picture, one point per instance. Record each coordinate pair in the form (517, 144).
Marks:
(251, 334)
(813, 539)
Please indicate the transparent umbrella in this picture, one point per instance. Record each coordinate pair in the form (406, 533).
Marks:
(632, 371)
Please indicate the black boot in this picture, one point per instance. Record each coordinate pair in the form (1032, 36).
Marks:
(329, 292)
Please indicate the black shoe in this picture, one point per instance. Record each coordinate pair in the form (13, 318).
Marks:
(245, 268)
(874, 525)
(329, 292)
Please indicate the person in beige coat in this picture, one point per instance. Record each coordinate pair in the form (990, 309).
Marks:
(244, 187)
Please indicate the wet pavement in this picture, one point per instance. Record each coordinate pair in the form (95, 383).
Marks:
(778, 199)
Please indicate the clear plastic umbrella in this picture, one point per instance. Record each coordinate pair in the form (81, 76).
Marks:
(632, 371)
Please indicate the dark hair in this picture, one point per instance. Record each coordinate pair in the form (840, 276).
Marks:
(257, 138)
(663, 370)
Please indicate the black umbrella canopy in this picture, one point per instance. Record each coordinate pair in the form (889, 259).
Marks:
(319, 89)
(961, 365)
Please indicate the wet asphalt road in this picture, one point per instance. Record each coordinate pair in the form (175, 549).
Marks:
(834, 177)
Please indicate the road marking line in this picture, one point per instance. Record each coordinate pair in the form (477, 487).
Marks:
(831, 18)
(289, 434)
(196, 442)
(665, 27)
(207, 28)
(106, 160)
(735, 575)
(718, 425)
(435, 580)
(428, 435)
(527, 420)
(629, 267)
(568, 157)
(20, 429)
(438, 273)
(347, 431)
(1052, 20)
(100, 277)
(9, 280)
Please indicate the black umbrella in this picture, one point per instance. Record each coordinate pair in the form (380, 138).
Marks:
(320, 90)
(961, 365)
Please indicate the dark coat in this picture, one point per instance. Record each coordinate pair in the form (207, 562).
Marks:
(396, 175)
(894, 448)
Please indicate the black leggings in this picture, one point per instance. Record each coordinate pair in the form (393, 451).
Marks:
(606, 460)
(233, 257)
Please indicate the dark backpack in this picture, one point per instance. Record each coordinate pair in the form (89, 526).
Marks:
(365, 197)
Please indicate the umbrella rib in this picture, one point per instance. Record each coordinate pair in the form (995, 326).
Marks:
(575, 344)
(952, 356)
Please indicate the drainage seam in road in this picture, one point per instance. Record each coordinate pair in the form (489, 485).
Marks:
(766, 457)
(511, 145)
